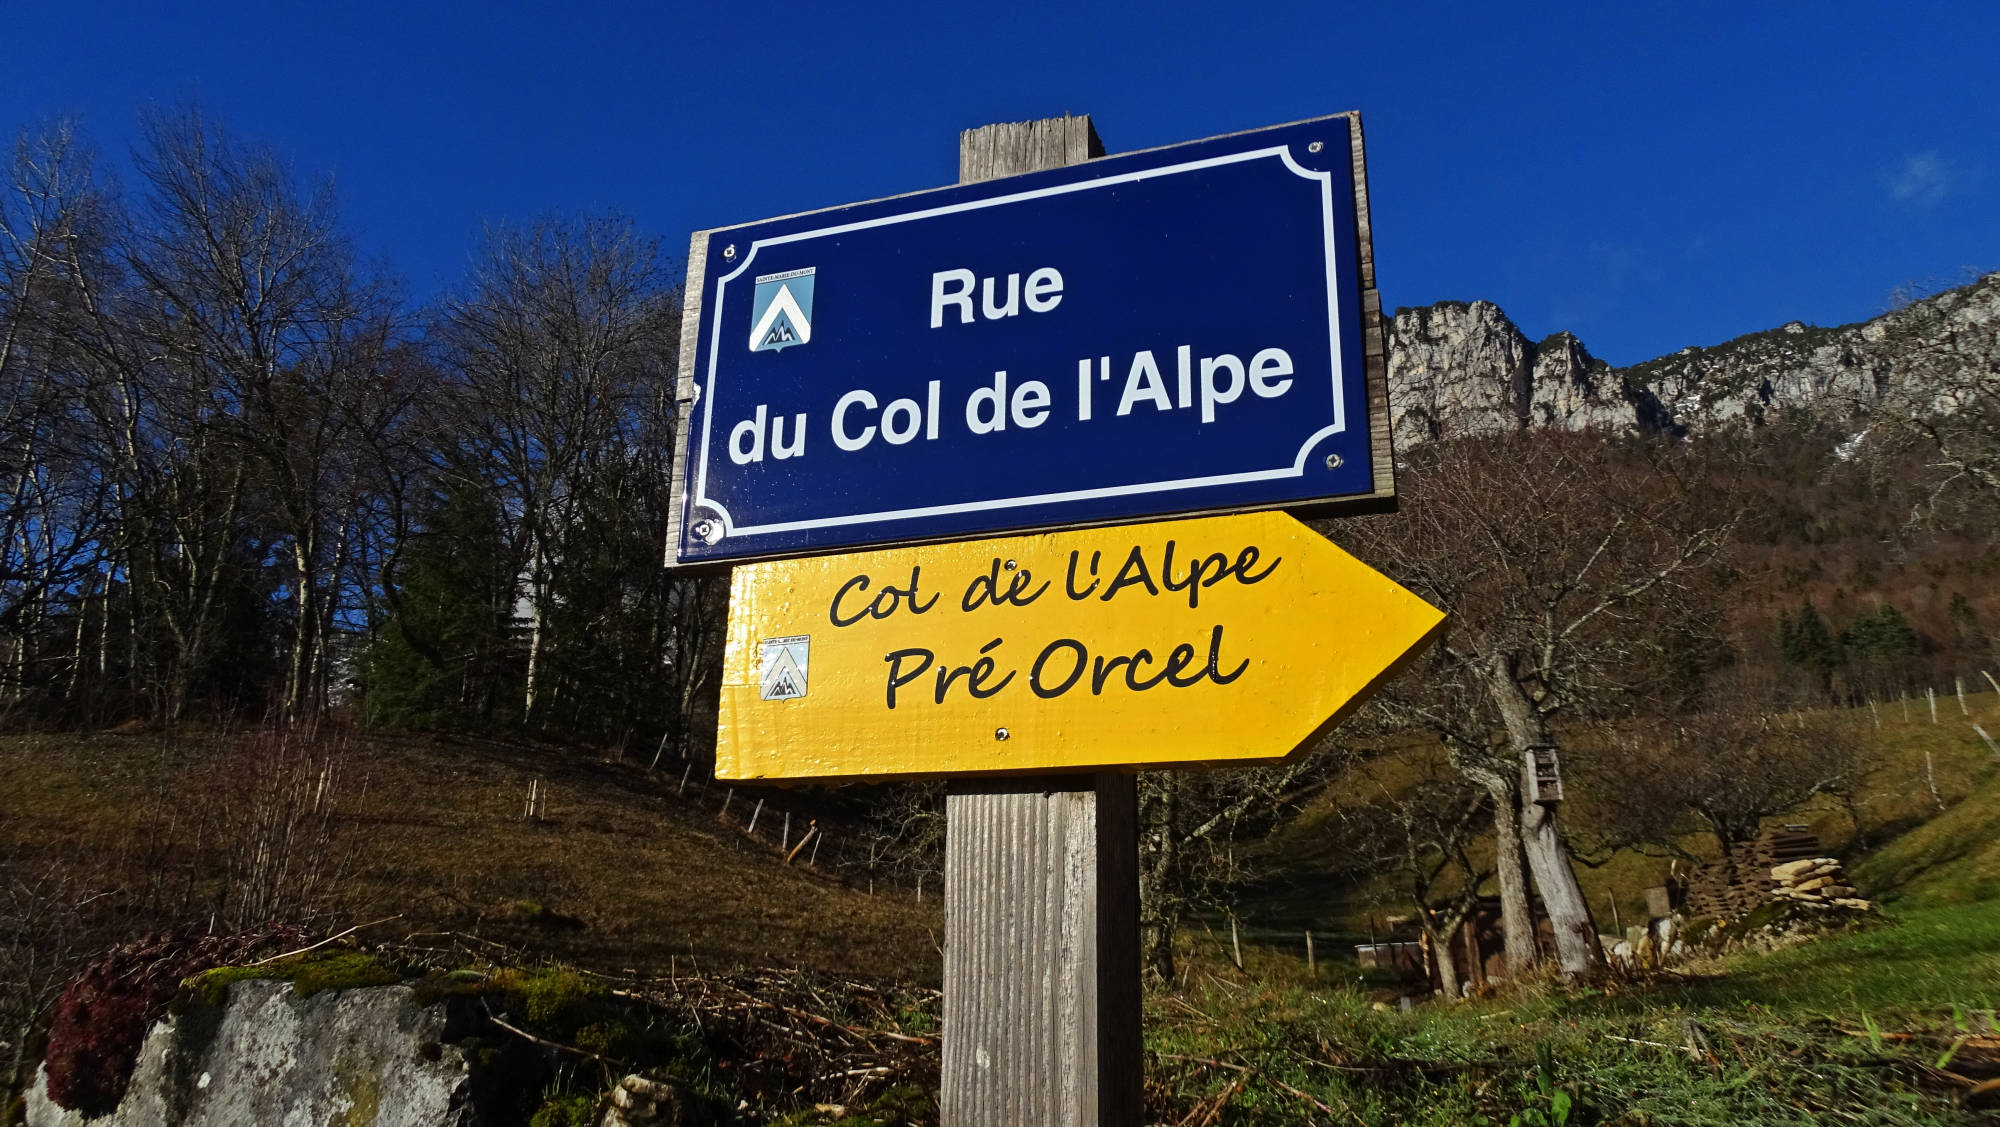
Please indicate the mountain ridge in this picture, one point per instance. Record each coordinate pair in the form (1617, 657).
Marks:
(1458, 367)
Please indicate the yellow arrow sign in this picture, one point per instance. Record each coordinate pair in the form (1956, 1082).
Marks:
(1224, 639)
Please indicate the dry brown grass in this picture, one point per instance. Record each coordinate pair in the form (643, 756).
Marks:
(431, 830)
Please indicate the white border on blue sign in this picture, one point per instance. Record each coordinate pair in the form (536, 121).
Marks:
(1296, 469)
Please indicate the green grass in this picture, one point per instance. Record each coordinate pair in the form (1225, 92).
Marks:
(1952, 859)
(1848, 1029)
(1915, 970)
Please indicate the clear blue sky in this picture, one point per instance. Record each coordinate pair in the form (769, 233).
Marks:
(1648, 176)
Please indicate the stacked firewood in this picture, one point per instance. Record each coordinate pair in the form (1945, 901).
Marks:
(1815, 880)
(1735, 885)
(1711, 891)
(1756, 859)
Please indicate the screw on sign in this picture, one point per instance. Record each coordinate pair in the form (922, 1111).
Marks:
(854, 381)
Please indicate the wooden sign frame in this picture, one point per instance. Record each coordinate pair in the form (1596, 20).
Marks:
(1382, 498)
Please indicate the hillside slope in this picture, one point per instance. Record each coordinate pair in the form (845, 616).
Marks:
(1952, 859)
(1907, 853)
(618, 873)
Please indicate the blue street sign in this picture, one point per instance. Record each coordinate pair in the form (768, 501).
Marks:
(1160, 333)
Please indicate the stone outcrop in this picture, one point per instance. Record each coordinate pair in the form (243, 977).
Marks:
(266, 1056)
(1458, 368)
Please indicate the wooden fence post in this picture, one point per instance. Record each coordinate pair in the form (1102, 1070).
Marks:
(1041, 954)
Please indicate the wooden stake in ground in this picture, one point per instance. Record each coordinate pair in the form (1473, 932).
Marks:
(1312, 967)
(1990, 745)
(1041, 895)
(1958, 684)
(1931, 697)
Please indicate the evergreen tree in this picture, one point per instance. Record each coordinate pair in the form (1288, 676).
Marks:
(1882, 635)
(1885, 648)
(1968, 637)
(1804, 640)
(441, 658)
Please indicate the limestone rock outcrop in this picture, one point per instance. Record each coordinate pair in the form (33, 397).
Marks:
(266, 1056)
(1459, 368)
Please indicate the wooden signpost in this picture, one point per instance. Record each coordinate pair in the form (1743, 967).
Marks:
(1204, 338)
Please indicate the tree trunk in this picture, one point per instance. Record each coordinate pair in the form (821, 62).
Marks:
(1159, 910)
(1447, 964)
(1577, 949)
(298, 676)
(1516, 923)
(534, 635)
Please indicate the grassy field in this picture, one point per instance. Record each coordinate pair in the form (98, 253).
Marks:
(1890, 1025)
(1893, 1024)
(618, 874)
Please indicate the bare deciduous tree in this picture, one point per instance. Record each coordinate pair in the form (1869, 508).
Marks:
(52, 495)
(1723, 768)
(564, 344)
(1566, 561)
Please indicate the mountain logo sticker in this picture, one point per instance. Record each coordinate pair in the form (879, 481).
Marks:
(781, 310)
(784, 667)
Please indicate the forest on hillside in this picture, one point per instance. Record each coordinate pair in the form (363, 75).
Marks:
(248, 480)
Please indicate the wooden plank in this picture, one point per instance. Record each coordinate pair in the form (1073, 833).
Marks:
(1041, 954)
(1374, 328)
(1041, 983)
(687, 389)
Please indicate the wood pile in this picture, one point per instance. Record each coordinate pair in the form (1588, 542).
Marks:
(1735, 885)
(1711, 891)
(1755, 860)
(1815, 880)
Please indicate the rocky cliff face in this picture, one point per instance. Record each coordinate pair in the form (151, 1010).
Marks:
(1456, 368)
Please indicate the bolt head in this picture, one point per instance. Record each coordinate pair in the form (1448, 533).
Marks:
(1000, 734)
(1333, 461)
